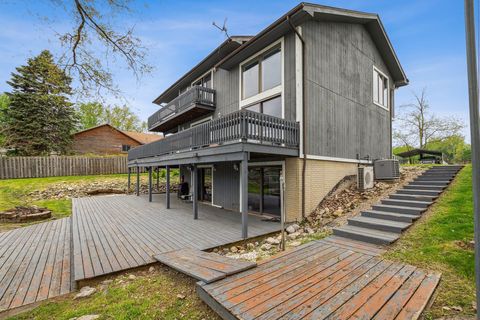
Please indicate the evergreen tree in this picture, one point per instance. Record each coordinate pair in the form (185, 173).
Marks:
(40, 119)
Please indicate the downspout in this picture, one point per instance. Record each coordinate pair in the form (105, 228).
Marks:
(304, 136)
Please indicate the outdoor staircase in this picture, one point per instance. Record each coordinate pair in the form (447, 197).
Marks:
(385, 221)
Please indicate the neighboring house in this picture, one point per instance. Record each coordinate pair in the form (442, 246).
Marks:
(308, 99)
(106, 139)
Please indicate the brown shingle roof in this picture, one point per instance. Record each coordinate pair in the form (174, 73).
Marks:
(143, 137)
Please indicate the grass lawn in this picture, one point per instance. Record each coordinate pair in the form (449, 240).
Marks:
(439, 241)
(152, 295)
(14, 192)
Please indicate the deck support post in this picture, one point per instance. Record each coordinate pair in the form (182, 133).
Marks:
(150, 171)
(195, 191)
(244, 194)
(129, 170)
(167, 186)
(137, 189)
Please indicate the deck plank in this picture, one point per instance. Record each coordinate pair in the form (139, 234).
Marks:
(325, 279)
(206, 267)
(27, 266)
(133, 230)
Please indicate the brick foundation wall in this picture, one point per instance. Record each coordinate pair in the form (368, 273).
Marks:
(321, 177)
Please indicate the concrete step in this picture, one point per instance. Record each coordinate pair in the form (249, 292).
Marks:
(433, 193)
(430, 182)
(444, 176)
(366, 235)
(398, 209)
(406, 203)
(427, 178)
(423, 187)
(390, 216)
(378, 224)
(412, 197)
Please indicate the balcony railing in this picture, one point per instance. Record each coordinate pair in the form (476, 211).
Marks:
(242, 125)
(195, 95)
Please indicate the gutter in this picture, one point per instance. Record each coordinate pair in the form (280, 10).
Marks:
(304, 135)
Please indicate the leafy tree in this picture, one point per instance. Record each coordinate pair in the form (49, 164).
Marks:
(121, 117)
(453, 148)
(39, 119)
(4, 103)
(90, 114)
(416, 126)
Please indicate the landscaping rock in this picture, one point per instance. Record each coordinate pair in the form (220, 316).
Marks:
(181, 296)
(266, 247)
(250, 246)
(151, 269)
(132, 277)
(294, 243)
(290, 229)
(107, 281)
(309, 230)
(271, 240)
(87, 317)
(233, 249)
(85, 292)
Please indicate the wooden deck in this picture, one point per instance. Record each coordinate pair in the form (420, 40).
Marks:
(113, 233)
(332, 278)
(204, 266)
(35, 263)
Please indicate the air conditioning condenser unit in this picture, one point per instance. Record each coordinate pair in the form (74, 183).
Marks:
(365, 178)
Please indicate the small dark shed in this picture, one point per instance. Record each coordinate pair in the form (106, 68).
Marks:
(426, 156)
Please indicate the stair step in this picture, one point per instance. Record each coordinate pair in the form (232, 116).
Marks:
(431, 182)
(379, 224)
(423, 187)
(412, 197)
(407, 203)
(366, 235)
(419, 192)
(398, 209)
(423, 178)
(390, 216)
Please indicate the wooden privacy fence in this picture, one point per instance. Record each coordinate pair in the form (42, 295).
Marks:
(36, 167)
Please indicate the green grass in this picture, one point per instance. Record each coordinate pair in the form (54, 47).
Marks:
(436, 243)
(149, 296)
(14, 192)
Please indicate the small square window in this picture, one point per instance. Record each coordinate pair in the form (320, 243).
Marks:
(125, 147)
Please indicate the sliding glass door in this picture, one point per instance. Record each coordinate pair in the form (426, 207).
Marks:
(264, 189)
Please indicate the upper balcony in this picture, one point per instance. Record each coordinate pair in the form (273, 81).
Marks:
(191, 104)
(240, 130)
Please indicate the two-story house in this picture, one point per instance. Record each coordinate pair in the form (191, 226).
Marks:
(309, 98)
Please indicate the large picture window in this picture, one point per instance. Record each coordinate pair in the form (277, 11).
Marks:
(380, 89)
(262, 74)
(271, 107)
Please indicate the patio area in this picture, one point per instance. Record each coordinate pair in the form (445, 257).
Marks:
(113, 233)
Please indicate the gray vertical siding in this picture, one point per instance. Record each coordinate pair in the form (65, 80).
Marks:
(226, 84)
(226, 186)
(289, 69)
(341, 117)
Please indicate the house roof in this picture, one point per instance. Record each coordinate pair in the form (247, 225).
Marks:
(202, 67)
(416, 152)
(305, 11)
(142, 138)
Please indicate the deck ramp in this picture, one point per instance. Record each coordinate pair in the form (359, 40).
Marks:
(203, 266)
(333, 278)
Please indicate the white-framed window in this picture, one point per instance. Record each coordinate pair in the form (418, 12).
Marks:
(204, 81)
(380, 88)
(261, 80)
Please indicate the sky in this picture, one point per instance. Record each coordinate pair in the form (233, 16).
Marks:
(427, 35)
